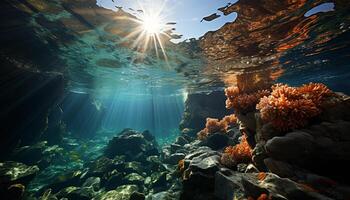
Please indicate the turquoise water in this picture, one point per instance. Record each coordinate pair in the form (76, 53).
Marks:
(77, 73)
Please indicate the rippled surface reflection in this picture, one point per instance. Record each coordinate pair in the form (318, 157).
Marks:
(99, 51)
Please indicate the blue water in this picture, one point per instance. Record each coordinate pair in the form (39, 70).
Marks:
(115, 77)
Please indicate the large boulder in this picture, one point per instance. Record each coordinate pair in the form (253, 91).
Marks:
(199, 106)
(13, 178)
(173, 159)
(14, 172)
(134, 145)
(233, 185)
(216, 141)
(73, 178)
(38, 154)
(228, 184)
(199, 174)
(315, 148)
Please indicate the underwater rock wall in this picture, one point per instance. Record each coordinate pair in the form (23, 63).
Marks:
(199, 106)
(288, 163)
(24, 107)
(28, 70)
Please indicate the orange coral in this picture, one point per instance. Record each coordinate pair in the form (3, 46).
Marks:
(231, 120)
(243, 102)
(241, 153)
(315, 91)
(201, 135)
(289, 107)
(181, 166)
(263, 196)
(214, 125)
(261, 176)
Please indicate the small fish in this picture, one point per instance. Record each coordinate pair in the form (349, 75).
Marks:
(171, 23)
(119, 7)
(131, 9)
(175, 36)
(210, 17)
(140, 11)
(222, 9)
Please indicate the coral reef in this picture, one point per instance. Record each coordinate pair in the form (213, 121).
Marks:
(292, 107)
(270, 161)
(214, 125)
(243, 102)
(231, 120)
(241, 153)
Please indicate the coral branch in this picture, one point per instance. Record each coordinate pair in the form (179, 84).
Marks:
(241, 153)
(214, 125)
(243, 102)
(290, 107)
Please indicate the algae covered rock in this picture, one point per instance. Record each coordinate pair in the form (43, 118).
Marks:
(73, 178)
(173, 159)
(123, 192)
(14, 172)
(13, 178)
(134, 179)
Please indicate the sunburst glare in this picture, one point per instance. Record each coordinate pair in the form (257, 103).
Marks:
(152, 25)
(153, 31)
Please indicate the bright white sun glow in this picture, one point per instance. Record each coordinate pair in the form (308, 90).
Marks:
(152, 25)
(153, 32)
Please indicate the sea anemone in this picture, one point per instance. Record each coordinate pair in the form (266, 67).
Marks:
(240, 153)
(290, 107)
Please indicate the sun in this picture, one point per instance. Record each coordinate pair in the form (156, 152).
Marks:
(152, 32)
(152, 25)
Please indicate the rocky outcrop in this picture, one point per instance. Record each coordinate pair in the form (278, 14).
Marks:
(134, 145)
(200, 167)
(199, 106)
(24, 108)
(121, 193)
(316, 148)
(14, 177)
(39, 154)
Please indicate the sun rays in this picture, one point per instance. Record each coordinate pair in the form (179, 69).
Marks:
(152, 31)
